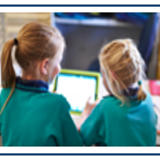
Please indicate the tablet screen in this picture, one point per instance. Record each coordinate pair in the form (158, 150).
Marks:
(77, 89)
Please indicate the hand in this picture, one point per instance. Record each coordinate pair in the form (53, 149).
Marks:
(86, 112)
(89, 106)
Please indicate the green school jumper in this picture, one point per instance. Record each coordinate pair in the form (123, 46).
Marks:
(36, 117)
(114, 125)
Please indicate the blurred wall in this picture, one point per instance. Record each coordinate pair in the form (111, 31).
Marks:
(84, 42)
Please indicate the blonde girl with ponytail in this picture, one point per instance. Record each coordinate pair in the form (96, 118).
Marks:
(29, 114)
(126, 117)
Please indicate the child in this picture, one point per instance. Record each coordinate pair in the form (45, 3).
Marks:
(126, 117)
(30, 115)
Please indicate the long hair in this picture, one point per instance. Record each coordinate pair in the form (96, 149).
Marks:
(35, 42)
(123, 66)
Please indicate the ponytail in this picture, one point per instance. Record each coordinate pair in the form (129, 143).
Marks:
(124, 66)
(7, 71)
(141, 95)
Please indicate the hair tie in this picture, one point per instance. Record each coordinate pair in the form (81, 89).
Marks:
(139, 83)
(15, 41)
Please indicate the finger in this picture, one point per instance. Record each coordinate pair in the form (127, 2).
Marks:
(89, 99)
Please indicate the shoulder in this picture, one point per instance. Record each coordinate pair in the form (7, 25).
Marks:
(108, 100)
(56, 99)
(148, 96)
(5, 91)
(106, 103)
(148, 101)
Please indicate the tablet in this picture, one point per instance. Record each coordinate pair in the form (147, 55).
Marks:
(77, 86)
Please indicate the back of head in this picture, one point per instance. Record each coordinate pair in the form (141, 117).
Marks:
(36, 41)
(123, 67)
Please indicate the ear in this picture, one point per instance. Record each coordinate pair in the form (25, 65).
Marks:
(44, 66)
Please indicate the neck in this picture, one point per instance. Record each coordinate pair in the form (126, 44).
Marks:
(31, 77)
(28, 77)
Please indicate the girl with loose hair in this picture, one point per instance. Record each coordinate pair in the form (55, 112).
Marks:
(29, 114)
(126, 117)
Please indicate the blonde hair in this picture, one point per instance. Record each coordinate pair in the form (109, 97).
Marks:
(36, 41)
(123, 66)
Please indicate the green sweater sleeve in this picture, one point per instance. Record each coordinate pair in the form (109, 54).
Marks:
(92, 130)
(70, 134)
